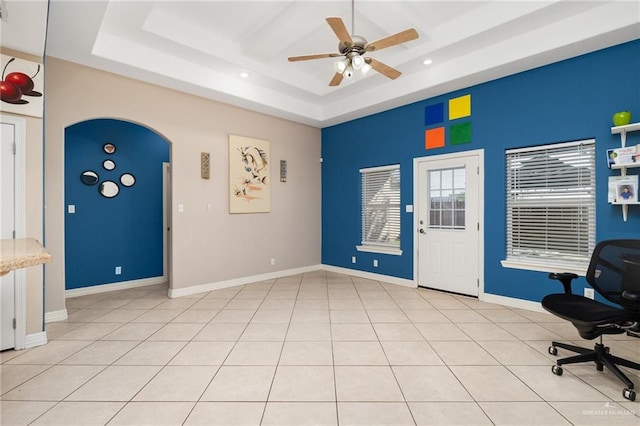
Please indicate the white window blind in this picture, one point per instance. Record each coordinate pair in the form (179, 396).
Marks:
(381, 206)
(551, 215)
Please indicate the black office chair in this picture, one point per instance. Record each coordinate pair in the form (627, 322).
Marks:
(614, 273)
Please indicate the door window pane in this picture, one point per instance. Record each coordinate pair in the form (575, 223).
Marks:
(447, 192)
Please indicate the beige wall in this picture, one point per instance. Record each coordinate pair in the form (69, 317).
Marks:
(209, 246)
(33, 207)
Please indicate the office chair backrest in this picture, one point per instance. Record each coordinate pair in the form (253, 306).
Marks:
(615, 268)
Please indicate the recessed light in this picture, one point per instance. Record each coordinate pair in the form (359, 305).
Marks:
(244, 74)
(427, 61)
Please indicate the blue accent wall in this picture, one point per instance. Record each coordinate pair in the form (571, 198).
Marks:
(123, 231)
(570, 100)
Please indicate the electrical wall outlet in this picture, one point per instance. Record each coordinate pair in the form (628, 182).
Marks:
(590, 293)
(273, 261)
(375, 263)
(353, 259)
(118, 270)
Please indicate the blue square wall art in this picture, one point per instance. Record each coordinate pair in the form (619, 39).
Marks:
(434, 114)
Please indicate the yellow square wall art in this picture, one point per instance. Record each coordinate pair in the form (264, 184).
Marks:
(460, 107)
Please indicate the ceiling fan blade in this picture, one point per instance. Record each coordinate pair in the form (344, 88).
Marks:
(338, 27)
(384, 69)
(336, 80)
(309, 57)
(392, 40)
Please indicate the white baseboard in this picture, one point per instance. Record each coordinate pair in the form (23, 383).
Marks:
(371, 276)
(513, 303)
(54, 316)
(124, 285)
(35, 339)
(203, 288)
(485, 297)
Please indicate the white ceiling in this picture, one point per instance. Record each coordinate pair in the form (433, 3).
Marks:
(200, 47)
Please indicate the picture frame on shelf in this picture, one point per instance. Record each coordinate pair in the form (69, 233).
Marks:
(623, 189)
(623, 157)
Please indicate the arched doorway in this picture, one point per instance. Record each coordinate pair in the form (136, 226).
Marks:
(114, 206)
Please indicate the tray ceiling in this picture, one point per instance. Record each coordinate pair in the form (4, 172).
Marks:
(201, 47)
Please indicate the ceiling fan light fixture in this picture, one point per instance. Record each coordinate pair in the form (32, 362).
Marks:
(341, 65)
(353, 49)
(357, 62)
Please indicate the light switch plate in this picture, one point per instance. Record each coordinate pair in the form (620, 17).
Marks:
(71, 208)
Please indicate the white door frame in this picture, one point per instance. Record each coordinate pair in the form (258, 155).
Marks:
(20, 287)
(166, 221)
(416, 213)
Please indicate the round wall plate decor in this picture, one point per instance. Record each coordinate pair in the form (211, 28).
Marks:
(109, 148)
(127, 179)
(109, 189)
(89, 177)
(109, 164)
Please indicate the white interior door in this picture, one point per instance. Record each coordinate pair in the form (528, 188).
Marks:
(449, 243)
(7, 227)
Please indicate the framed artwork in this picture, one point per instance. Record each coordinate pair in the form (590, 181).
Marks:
(249, 176)
(22, 86)
(623, 189)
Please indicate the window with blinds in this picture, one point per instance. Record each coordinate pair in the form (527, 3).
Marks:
(381, 206)
(551, 204)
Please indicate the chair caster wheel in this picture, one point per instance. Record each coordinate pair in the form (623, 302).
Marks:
(553, 350)
(629, 394)
(557, 370)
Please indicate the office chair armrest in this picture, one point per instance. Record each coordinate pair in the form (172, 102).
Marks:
(565, 278)
(633, 296)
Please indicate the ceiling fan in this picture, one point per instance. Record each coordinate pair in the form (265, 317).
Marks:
(353, 48)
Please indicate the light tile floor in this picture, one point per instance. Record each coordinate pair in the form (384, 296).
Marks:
(315, 349)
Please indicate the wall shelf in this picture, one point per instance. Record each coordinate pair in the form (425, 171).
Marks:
(622, 131)
(628, 166)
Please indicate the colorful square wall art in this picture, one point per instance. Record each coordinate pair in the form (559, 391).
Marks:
(434, 114)
(460, 133)
(434, 138)
(22, 86)
(249, 177)
(460, 107)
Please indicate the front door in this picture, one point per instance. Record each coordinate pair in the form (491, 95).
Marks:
(7, 227)
(448, 216)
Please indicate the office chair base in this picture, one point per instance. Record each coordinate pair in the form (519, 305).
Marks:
(602, 357)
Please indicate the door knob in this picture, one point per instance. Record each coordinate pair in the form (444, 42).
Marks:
(421, 231)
